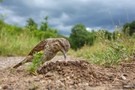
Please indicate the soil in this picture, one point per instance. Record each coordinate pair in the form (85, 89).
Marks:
(73, 74)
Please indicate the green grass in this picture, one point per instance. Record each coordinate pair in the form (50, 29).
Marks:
(16, 41)
(16, 44)
(107, 53)
(36, 62)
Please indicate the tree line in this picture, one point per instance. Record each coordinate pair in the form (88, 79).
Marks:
(78, 37)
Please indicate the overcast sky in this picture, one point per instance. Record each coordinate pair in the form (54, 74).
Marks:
(63, 14)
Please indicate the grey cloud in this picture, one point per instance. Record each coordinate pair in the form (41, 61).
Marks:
(64, 14)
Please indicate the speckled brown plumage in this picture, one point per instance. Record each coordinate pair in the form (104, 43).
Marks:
(50, 47)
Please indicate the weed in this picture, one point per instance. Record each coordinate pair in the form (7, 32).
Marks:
(36, 62)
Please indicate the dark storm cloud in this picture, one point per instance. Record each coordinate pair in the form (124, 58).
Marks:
(64, 14)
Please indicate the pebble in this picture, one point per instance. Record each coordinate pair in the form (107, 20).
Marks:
(123, 77)
(48, 74)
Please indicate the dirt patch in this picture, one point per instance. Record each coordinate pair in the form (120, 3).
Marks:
(126, 72)
(75, 72)
(6, 62)
(71, 75)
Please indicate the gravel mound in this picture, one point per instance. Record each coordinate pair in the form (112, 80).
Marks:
(75, 73)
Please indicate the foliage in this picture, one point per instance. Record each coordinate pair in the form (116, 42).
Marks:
(108, 52)
(80, 36)
(36, 62)
(51, 33)
(44, 24)
(31, 24)
(1, 24)
(100, 47)
(129, 28)
(15, 40)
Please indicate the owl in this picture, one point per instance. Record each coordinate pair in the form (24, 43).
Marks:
(50, 48)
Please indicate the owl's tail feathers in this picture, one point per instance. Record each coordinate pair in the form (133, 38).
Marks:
(27, 59)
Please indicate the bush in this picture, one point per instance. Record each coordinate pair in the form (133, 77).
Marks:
(80, 36)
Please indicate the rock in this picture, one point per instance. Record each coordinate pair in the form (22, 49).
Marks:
(5, 87)
(129, 87)
(49, 74)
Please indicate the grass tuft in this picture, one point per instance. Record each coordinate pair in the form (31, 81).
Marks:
(36, 62)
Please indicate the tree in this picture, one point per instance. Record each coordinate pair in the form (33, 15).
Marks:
(44, 24)
(31, 24)
(129, 28)
(80, 36)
